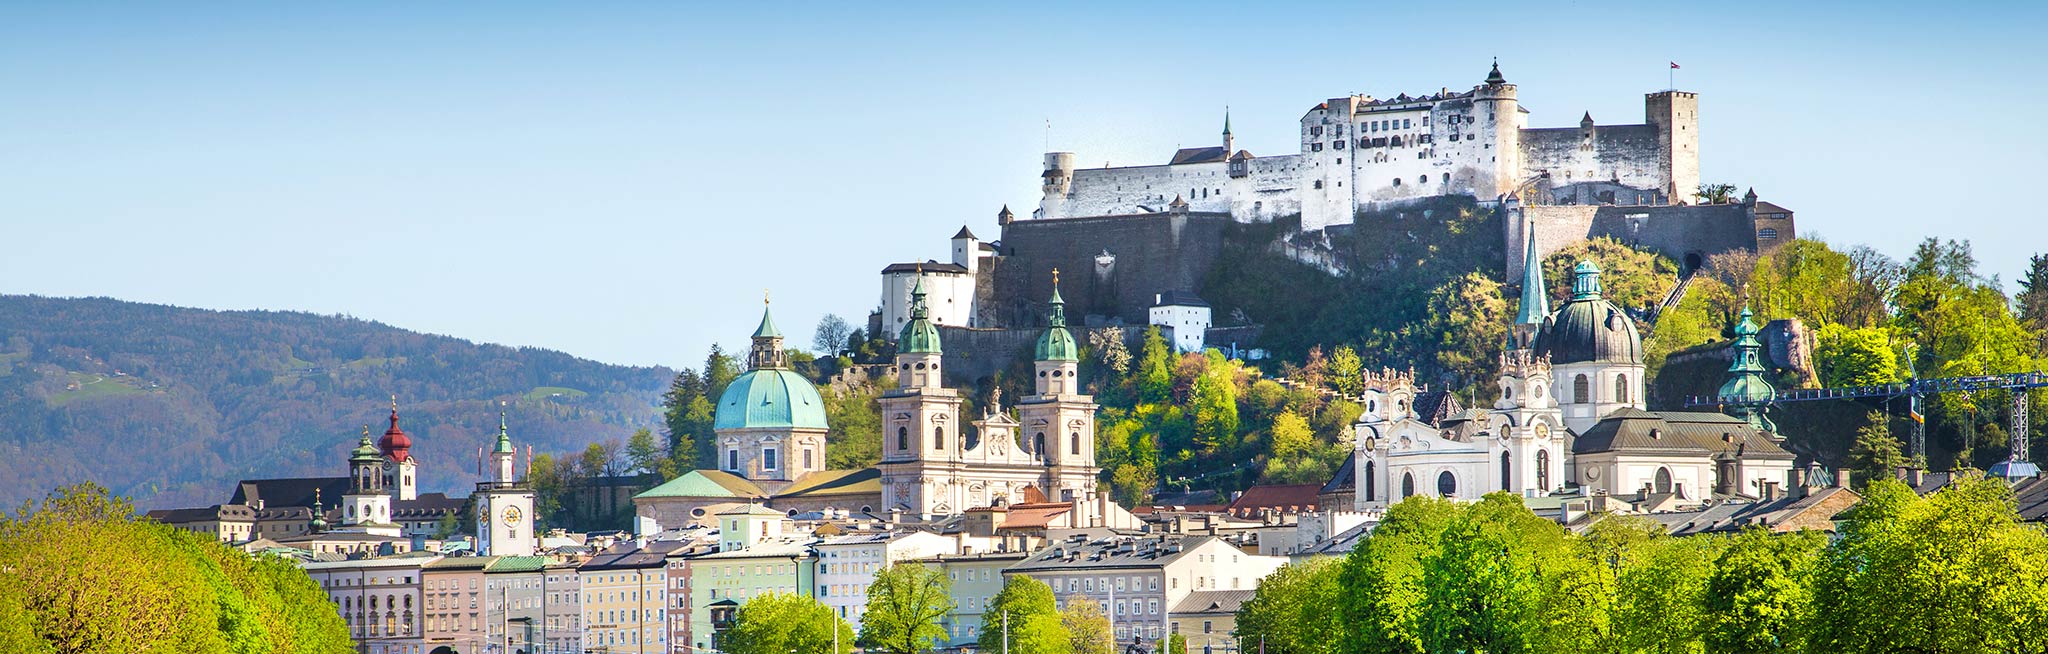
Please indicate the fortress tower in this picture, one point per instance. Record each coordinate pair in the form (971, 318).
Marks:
(1675, 115)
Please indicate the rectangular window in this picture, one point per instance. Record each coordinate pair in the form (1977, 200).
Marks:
(768, 458)
(732, 459)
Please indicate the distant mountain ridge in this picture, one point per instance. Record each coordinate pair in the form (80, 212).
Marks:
(170, 406)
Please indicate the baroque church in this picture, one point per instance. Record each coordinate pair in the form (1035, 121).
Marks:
(1570, 419)
(770, 424)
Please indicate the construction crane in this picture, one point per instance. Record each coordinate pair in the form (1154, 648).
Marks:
(2016, 464)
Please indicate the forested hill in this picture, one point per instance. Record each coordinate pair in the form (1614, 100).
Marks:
(170, 406)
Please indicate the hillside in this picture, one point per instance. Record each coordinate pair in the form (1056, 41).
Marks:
(169, 406)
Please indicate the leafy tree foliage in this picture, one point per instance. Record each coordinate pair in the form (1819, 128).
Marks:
(1861, 356)
(82, 575)
(1291, 608)
(905, 603)
(786, 623)
(1087, 626)
(1034, 622)
(1876, 453)
(1952, 572)
(1715, 194)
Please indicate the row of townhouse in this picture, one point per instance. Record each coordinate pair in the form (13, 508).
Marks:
(679, 590)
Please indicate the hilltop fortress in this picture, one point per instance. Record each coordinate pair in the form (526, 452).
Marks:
(1132, 237)
(1361, 153)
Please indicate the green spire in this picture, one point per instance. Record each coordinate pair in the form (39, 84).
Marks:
(1535, 298)
(1226, 120)
(767, 328)
(1056, 344)
(919, 336)
(1747, 391)
(504, 441)
(1586, 281)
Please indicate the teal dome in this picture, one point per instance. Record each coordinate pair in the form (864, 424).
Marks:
(770, 397)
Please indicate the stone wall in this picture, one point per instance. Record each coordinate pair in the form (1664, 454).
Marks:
(1686, 233)
(1146, 255)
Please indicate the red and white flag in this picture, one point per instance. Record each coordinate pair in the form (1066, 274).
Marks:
(1674, 65)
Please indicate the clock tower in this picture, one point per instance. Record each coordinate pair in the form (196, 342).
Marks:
(504, 505)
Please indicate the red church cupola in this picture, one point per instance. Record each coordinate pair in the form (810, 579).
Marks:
(395, 444)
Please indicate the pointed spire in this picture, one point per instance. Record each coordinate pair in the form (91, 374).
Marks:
(1495, 77)
(1057, 344)
(1226, 120)
(1059, 306)
(504, 439)
(1747, 391)
(1587, 120)
(766, 352)
(767, 328)
(1535, 297)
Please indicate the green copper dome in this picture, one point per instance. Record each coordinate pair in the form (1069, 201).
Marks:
(1748, 382)
(770, 397)
(1056, 344)
(1590, 328)
(365, 451)
(919, 336)
(504, 441)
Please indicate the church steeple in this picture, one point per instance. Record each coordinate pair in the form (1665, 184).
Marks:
(767, 351)
(919, 336)
(1535, 297)
(1747, 389)
(1229, 144)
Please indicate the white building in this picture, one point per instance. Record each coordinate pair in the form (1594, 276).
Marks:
(1138, 580)
(379, 600)
(847, 565)
(1357, 152)
(948, 286)
(1182, 317)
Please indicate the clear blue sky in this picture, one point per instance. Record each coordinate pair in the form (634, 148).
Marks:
(621, 182)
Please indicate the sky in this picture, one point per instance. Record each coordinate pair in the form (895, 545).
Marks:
(624, 182)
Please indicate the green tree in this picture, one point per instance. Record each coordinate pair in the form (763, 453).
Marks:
(1087, 626)
(1845, 356)
(786, 623)
(905, 603)
(1383, 590)
(1760, 598)
(2033, 301)
(1346, 372)
(1629, 278)
(1715, 194)
(1660, 596)
(1032, 615)
(1290, 609)
(1468, 321)
(1172, 644)
(1876, 453)
(1963, 550)
(645, 456)
(1214, 403)
(854, 418)
(1155, 368)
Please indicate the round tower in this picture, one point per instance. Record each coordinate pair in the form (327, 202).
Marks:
(1499, 117)
(1055, 184)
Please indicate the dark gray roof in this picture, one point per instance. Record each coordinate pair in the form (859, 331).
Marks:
(1435, 407)
(963, 233)
(428, 505)
(1728, 517)
(203, 514)
(1209, 154)
(1767, 207)
(928, 266)
(1108, 553)
(289, 492)
(1180, 298)
(1678, 432)
(1213, 601)
(1343, 480)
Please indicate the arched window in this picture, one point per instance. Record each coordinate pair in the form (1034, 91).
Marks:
(1663, 480)
(1621, 388)
(1407, 484)
(903, 438)
(1507, 472)
(1543, 470)
(1580, 389)
(1368, 482)
(1038, 443)
(1446, 485)
(1074, 443)
(938, 438)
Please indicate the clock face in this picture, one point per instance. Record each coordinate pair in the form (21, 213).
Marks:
(483, 515)
(1542, 430)
(511, 515)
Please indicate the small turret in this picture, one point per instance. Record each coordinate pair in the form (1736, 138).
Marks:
(1495, 77)
(1586, 281)
(767, 353)
(503, 454)
(1586, 122)
(1229, 144)
(1747, 391)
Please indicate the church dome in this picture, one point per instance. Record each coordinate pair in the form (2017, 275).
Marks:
(1589, 328)
(769, 395)
(919, 336)
(770, 398)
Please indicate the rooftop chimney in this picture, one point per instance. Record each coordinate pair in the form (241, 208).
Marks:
(1915, 476)
(1841, 478)
(1770, 492)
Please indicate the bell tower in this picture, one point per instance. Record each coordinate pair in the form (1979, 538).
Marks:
(504, 504)
(1058, 421)
(921, 432)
